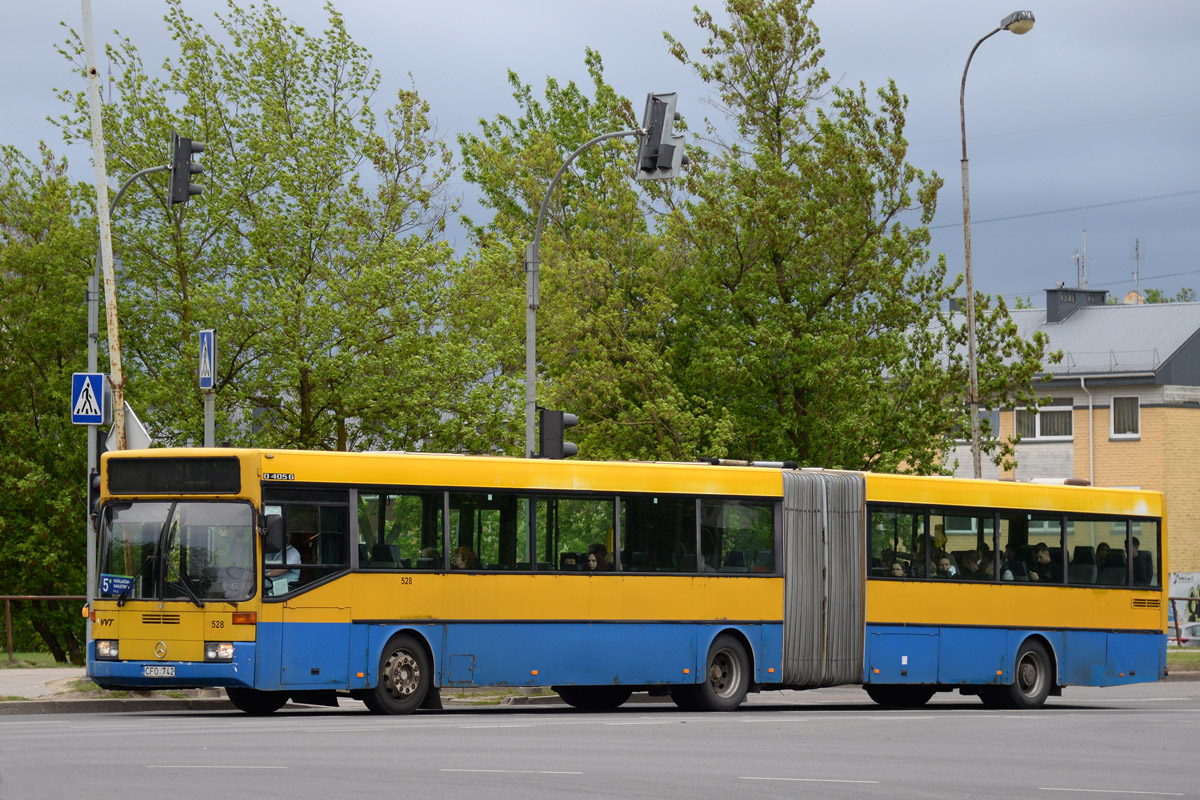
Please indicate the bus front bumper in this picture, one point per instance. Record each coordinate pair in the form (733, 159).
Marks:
(238, 672)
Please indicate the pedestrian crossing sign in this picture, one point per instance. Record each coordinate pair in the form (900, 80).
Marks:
(87, 398)
(208, 358)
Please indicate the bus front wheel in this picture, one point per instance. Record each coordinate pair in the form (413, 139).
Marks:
(1031, 677)
(255, 702)
(404, 677)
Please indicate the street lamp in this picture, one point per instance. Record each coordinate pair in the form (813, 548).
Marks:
(1018, 22)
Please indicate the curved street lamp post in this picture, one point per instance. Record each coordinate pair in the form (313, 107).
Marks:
(1018, 22)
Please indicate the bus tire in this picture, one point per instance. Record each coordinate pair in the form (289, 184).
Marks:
(726, 675)
(256, 702)
(1031, 676)
(594, 698)
(893, 696)
(404, 677)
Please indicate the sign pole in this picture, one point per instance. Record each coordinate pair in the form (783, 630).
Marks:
(208, 373)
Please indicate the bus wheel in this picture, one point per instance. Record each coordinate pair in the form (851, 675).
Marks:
(252, 701)
(891, 696)
(1031, 677)
(593, 698)
(726, 676)
(404, 677)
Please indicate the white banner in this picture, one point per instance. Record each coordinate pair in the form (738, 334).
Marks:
(1184, 585)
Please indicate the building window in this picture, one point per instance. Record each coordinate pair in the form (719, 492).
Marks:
(1126, 418)
(1053, 421)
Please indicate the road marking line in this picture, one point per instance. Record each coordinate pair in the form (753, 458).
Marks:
(800, 780)
(1108, 791)
(211, 766)
(515, 771)
(477, 727)
(657, 722)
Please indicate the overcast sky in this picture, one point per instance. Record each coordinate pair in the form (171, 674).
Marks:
(1091, 119)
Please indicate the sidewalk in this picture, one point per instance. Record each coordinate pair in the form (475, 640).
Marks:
(50, 691)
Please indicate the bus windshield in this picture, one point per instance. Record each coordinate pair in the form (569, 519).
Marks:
(165, 550)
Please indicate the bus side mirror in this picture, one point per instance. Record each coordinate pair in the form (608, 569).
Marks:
(273, 542)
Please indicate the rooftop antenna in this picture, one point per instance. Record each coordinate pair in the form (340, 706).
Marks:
(1137, 248)
(1081, 260)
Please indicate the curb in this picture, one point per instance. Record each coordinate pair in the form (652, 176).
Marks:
(1190, 675)
(110, 706)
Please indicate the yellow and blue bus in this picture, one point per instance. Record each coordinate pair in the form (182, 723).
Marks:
(388, 577)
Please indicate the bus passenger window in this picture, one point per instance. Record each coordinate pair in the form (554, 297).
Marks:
(400, 530)
(897, 543)
(1143, 552)
(568, 527)
(493, 527)
(659, 533)
(737, 536)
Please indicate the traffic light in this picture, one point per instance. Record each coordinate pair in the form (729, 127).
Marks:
(660, 151)
(550, 434)
(183, 168)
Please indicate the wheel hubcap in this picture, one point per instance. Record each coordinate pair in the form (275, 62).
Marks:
(402, 674)
(723, 674)
(1029, 675)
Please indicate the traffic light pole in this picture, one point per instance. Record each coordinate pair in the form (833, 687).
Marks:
(531, 293)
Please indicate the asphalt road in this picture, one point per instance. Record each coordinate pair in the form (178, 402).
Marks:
(1137, 741)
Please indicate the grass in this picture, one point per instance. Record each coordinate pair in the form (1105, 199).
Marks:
(29, 661)
(1183, 660)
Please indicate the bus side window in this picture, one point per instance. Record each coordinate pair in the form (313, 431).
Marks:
(1144, 545)
(662, 527)
(735, 535)
(897, 543)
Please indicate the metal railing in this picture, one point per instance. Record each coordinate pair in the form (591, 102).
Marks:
(1175, 615)
(8, 598)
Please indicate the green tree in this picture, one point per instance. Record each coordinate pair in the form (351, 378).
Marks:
(811, 307)
(47, 251)
(1184, 295)
(313, 251)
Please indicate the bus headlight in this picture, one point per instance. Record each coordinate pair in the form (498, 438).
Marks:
(106, 649)
(218, 651)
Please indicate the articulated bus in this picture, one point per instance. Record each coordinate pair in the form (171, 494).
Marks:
(389, 577)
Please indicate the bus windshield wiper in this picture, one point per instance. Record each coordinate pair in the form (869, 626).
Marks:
(121, 598)
(171, 563)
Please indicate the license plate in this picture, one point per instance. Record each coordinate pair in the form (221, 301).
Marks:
(158, 671)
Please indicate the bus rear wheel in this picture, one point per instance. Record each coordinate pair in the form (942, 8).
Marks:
(726, 676)
(594, 698)
(1031, 677)
(255, 702)
(404, 677)
(893, 696)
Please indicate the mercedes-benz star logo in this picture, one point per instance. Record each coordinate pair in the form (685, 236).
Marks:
(160, 649)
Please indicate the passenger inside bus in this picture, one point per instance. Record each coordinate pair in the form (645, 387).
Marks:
(1045, 569)
(464, 558)
(1143, 565)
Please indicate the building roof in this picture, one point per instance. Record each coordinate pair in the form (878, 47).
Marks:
(1157, 339)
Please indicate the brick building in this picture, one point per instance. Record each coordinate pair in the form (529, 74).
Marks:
(1125, 408)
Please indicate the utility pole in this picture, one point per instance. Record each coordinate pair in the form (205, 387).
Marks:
(116, 377)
